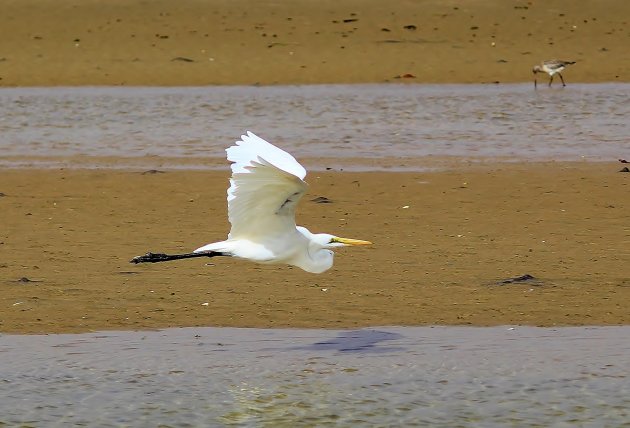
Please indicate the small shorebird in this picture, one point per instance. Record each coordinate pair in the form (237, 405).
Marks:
(551, 67)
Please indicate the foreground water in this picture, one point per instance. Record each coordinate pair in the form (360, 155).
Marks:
(180, 127)
(420, 376)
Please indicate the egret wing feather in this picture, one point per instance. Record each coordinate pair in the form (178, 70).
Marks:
(266, 185)
(250, 147)
(262, 206)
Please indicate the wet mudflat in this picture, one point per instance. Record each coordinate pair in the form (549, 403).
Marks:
(384, 376)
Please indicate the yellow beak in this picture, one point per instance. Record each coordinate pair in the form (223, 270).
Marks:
(348, 241)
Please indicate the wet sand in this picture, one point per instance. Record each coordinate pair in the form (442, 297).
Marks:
(442, 241)
(70, 233)
(167, 42)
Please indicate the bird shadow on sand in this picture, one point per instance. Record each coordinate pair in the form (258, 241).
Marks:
(359, 341)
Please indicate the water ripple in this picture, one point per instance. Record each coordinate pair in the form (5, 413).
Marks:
(414, 376)
(328, 121)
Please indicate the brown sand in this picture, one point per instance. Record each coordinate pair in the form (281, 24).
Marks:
(437, 262)
(198, 42)
(72, 232)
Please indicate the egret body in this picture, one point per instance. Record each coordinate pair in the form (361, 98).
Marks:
(265, 187)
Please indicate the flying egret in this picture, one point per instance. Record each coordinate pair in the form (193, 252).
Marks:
(265, 187)
(551, 67)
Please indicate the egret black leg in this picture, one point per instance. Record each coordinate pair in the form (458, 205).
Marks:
(563, 84)
(550, 80)
(160, 257)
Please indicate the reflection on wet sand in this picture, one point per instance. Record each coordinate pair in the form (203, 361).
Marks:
(373, 126)
(442, 376)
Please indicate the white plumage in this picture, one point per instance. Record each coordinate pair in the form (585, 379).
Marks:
(265, 187)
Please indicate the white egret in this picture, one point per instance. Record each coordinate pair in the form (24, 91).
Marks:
(265, 187)
(551, 67)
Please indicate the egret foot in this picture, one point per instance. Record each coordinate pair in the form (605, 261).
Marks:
(161, 257)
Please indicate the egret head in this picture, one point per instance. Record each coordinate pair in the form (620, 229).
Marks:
(325, 240)
(537, 69)
(318, 256)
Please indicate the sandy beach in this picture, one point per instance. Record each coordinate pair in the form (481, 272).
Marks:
(224, 42)
(69, 234)
(444, 241)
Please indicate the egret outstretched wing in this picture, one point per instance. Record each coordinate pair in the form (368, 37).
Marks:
(266, 185)
(251, 147)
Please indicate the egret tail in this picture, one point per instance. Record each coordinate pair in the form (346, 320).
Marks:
(160, 257)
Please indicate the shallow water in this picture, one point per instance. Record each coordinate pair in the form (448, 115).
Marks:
(172, 126)
(417, 376)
